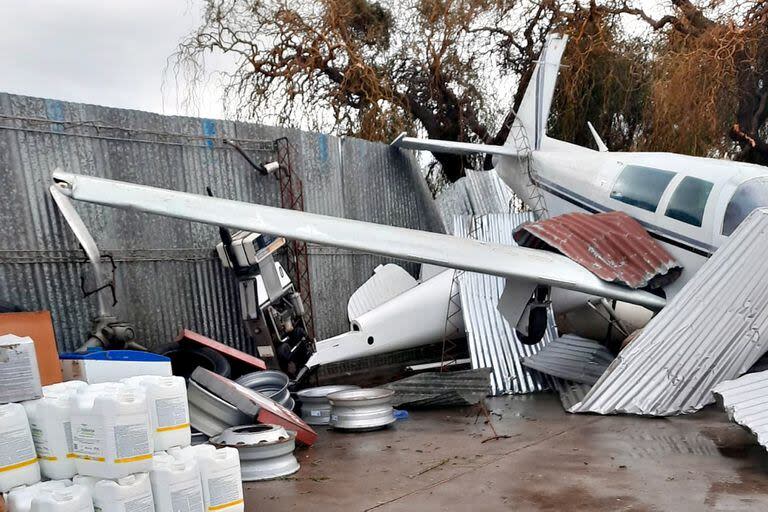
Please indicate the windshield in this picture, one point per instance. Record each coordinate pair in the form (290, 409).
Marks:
(750, 195)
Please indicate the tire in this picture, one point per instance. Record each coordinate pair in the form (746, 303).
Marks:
(185, 359)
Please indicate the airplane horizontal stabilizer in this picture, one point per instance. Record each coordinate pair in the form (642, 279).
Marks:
(455, 148)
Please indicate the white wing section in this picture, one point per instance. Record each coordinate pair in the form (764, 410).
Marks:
(387, 282)
(541, 267)
(446, 146)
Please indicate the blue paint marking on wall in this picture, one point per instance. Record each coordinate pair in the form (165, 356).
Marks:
(322, 144)
(54, 110)
(209, 130)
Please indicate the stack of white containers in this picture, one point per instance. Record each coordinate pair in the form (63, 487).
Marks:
(103, 446)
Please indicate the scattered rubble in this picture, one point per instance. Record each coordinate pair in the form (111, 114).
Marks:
(441, 389)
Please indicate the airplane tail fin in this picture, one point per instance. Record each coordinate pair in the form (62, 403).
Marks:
(537, 100)
(531, 116)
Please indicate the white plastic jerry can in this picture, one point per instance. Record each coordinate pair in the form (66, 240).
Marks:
(220, 473)
(87, 481)
(168, 409)
(74, 498)
(132, 493)
(176, 485)
(68, 387)
(20, 498)
(18, 459)
(51, 426)
(110, 431)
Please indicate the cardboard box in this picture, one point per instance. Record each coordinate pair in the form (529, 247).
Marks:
(38, 326)
(19, 376)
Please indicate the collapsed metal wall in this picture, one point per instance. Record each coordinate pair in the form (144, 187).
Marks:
(167, 277)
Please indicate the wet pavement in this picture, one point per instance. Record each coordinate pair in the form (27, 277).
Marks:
(546, 460)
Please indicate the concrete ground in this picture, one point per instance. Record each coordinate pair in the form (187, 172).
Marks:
(552, 460)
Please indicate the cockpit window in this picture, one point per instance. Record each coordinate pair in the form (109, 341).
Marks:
(689, 200)
(749, 196)
(641, 186)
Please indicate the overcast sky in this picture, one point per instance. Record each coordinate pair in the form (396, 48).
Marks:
(106, 52)
(95, 51)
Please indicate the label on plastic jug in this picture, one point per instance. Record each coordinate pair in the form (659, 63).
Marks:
(140, 504)
(225, 490)
(88, 441)
(15, 450)
(315, 413)
(186, 497)
(171, 413)
(132, 440)
(42, 443)
(68, 434)
(19, 374)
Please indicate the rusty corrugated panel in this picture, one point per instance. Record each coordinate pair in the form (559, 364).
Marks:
(613, 245)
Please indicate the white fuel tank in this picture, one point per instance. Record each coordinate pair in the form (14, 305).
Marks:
(18, 460)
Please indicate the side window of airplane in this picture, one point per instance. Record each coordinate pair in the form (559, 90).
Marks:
(641, 186)
(689, 200)
(749, 196)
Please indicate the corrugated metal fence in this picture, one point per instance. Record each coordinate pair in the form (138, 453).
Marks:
(167, 277)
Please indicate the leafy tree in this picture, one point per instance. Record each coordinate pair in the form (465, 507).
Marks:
(694, 80)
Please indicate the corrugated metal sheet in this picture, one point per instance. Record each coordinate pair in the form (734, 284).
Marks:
(613, 245)
(571, 357)
(441, 389)
(167, 276)
(745, 400)
(477, 193)
(570, 393)
(714, 330)
(492, 341)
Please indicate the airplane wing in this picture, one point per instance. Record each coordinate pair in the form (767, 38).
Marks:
(446, 146)
(531, 265)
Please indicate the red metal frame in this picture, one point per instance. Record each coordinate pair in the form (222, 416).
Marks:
(292, 198)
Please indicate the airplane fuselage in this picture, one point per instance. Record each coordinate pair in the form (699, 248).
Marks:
(688, 204)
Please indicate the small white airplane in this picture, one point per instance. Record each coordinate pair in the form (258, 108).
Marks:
(689, 205)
